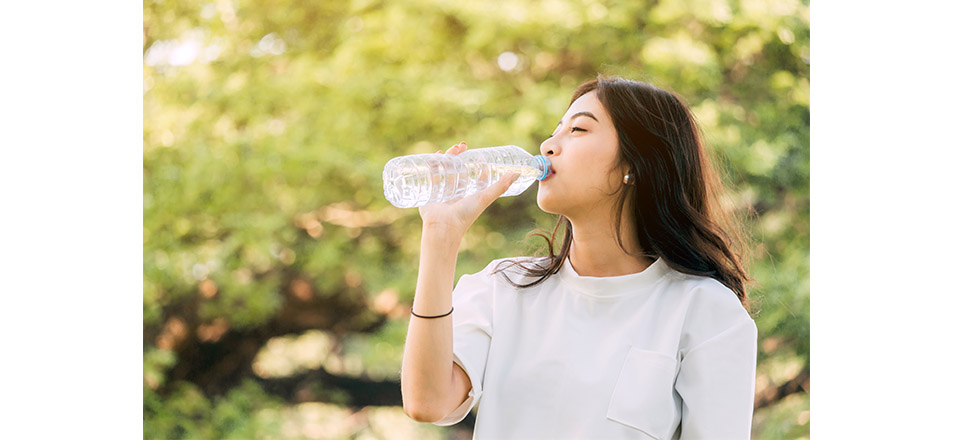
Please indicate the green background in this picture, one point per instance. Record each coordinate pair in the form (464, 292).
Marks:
(277, 278)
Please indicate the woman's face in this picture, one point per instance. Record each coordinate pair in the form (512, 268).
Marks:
(583, 153)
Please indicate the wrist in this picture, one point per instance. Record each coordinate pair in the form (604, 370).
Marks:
(442, 232)
(439, 244)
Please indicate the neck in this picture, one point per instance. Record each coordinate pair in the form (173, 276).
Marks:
(594, 250)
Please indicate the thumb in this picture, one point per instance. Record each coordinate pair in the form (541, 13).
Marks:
(500, 187)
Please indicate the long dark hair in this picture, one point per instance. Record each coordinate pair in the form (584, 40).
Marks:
(677, 195)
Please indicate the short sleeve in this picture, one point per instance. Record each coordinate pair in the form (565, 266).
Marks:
(472, 332)
(716, 381)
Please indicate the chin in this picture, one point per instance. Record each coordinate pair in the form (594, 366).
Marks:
(547, 210)
(545, 204)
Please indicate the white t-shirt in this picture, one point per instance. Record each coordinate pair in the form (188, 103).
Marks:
(654, 354)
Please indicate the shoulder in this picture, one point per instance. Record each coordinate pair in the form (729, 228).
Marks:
(710, 307)
(708, 294)
(513, 267)
(528, 261)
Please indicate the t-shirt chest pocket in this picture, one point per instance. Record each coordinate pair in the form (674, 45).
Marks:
(643, 395)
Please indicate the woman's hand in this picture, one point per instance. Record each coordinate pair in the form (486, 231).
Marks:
(456, 216)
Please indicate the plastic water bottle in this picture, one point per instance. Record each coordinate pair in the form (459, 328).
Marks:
(425, 179)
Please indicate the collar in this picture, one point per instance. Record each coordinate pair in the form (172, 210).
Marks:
(615, 286)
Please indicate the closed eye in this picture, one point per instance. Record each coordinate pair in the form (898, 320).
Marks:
(572, 129)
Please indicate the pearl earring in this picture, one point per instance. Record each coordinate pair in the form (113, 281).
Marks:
(627, 179)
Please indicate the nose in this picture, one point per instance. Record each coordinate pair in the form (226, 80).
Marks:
(549, 147)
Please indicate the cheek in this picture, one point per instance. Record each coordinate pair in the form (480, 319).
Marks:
(615, 181)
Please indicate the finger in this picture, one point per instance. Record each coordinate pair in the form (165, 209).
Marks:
(494, 191)
(457, 149)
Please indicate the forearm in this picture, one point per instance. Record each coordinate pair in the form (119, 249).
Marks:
(427, 372)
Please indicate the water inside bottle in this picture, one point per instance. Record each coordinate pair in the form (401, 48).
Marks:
(426, 179)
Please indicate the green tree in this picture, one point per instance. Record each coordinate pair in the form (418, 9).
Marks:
(277, 277)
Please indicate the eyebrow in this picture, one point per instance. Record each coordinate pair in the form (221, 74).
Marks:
(578, 114)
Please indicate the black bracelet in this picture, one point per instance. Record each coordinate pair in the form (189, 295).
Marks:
(430, 317)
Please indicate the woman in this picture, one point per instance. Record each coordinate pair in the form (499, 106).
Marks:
(638, 328)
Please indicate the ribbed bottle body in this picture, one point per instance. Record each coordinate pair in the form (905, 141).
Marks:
(425, 179)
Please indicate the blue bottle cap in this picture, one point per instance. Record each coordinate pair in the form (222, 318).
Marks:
(543, 163)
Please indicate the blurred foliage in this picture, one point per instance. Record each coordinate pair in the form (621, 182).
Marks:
(266, 127)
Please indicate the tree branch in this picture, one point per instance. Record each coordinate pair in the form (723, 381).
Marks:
(319, 385)
(773, 394)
